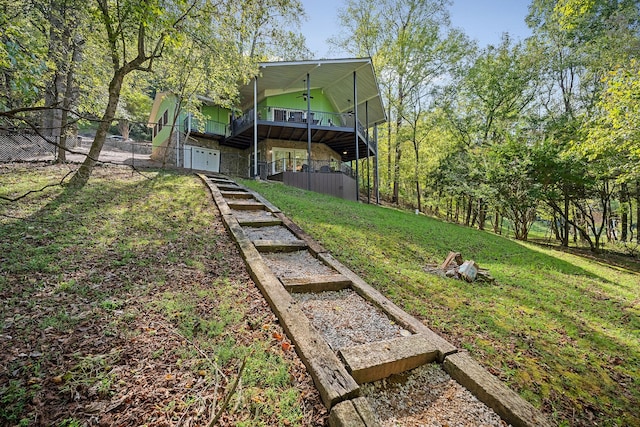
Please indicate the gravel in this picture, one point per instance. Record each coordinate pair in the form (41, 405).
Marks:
(345, 319)
(428, 397)
(276, 232)
(296, 264)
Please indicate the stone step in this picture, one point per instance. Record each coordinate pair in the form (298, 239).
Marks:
(246, 205)
(236, 194)
(279, 245)
(377, 360)
(333, 282)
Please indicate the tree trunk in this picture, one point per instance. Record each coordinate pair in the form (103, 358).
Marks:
(496, 222)
(625, 215)
(638, 211)
(84, 172)
(482, 214)
(565, 234)
(467, 220)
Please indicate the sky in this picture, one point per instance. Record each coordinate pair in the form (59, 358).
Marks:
(482, 20)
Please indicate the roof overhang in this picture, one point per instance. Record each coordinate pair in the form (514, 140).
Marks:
(333, 76)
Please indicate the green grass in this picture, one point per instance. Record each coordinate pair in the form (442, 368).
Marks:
(562, 329)
(140, 278)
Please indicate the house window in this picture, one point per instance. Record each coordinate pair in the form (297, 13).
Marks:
(166, 116)
(287, 159)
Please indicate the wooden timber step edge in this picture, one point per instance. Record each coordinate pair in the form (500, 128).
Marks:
(236, 194)
(480, 382)
(262, 222)
(243, 204)
(381, 359)
(279, 245)
(330, 376)
(332, 282)
(338, 389)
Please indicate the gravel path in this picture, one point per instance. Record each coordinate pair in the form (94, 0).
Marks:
(296, 264)
(427, 397)
(345, 319)
(276, 232)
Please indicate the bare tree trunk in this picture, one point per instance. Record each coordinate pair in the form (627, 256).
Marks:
(84, 172)
(638, 211)
(624, 196)
(467, 220)
(565, 234)
(482, 214)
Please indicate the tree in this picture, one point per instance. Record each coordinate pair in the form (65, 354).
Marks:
(412, 48)
(136, 35)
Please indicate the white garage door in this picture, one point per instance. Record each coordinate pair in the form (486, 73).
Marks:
(201, 158)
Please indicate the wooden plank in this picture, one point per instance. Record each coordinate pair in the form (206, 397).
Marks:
(333, 282)
(377, 360)
(353, 413)
(329, 374)
(452, 256)
(396, 313)
(279, 245)
(314, 247)
(228, 187)
(217, 197)
(247, 205)
(494, 393)
(236, 195)
(254, 222)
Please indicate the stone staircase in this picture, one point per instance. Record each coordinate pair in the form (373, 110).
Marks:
(297, 276)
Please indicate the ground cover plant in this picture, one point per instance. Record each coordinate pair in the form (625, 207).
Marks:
(561, 328)
(126, 303)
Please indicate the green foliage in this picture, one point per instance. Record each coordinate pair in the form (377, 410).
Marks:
(560, 328)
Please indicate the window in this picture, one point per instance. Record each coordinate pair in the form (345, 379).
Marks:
(287, 159)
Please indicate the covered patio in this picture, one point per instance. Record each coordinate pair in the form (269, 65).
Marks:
(351, 87)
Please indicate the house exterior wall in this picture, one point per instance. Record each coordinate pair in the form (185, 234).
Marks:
(294, 100)
(162, 127)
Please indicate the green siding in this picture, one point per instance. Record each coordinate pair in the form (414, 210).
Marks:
(168, 104)
(319, 102)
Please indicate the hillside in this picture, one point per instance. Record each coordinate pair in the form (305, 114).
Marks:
(560, 328)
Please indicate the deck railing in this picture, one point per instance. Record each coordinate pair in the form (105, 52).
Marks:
(317, 166)
(207, 127)
(296, 116)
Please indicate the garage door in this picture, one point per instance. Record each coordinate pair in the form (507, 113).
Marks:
(201, 158)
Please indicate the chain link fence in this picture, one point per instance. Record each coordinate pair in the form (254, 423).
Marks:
(24, 146)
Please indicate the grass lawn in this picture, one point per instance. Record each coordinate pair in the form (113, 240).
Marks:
(126, 303)
(563, 329)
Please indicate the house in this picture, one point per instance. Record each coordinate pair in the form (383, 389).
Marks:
(296, 122)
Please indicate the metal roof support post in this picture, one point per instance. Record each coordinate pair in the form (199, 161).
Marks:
(376, 176)
(256, 174)
(366, 115)
(308, 133)
(355, 128)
